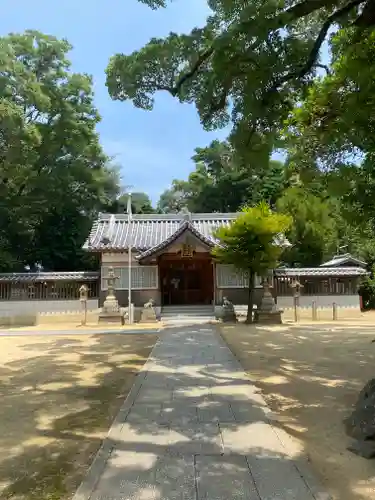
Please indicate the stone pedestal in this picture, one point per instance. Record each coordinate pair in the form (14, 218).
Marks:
(228, 312)
(268, 312)
(111, 312)
(117, 318)
(148, 314)
(269, 317)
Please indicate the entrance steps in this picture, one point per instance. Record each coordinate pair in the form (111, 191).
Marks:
(175, 315)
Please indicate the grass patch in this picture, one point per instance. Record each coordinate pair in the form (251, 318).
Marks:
(59, 396)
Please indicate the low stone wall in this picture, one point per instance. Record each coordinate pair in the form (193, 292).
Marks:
(13, 307)
(36, 312)
(348, 306)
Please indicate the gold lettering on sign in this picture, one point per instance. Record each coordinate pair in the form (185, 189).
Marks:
(187, 250)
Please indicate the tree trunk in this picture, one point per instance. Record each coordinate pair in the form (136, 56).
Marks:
(249, 317)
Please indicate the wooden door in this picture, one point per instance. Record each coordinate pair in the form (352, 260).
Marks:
(186, 281)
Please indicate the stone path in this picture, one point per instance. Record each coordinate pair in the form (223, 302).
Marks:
(194, 428)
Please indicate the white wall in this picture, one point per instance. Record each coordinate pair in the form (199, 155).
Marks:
(348, 307)
(322, 301)
(19, 307)
(120, 258)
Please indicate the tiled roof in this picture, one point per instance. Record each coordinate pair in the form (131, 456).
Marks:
(111, 232)
(320, 271)
(339, 260)
(49, 276)
(185, 226)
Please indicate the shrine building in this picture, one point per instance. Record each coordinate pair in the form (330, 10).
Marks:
(171, 263)
(171, 258)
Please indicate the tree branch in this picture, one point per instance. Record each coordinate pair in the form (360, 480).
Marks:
(367, 17)
(218, 105)
(323, 33)
(280, 20)
(325, 67)
(302, 9)
(314, 53)
(202, 58)
(305, 8)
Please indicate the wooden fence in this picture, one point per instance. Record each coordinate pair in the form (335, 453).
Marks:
(47, 286)
(312, 285)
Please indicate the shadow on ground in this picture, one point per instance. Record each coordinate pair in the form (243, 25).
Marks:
(59, 396)
(199, 428)
(310, 376)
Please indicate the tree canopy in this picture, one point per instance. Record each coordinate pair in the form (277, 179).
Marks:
(313, 232)
(334, 127)
(54, 175)
(296, 76)
(140, 204)
(223, 182)
(251, 62)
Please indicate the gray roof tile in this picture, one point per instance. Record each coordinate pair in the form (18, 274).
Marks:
(185, 226)
(111, 232)
(339, 260)
(49, 276)
(320, 271)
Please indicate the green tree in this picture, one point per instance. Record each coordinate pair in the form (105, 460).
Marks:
(54, 175)
(334, 126)
(248, 244)
(313, 233)
(172, 200)
(141, 204)
(248, 65)
(222, 181)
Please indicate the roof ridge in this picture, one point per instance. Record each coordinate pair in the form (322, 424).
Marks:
(104, 216)
(148, 230)
(318, 268)
(185, 226)
(320, 271)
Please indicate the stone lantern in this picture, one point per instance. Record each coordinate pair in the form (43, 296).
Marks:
(296, 287)
(268, 312)
(111, 312)
(83, 296)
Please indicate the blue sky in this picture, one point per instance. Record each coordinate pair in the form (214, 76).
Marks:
(152, 147)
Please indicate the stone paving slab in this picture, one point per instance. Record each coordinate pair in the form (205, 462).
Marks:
(277, 478)
(154, 395)
(195, 428)
(175, 380)
(184, 438)
(176, 412)
(213, 409)
(146, 476)
(144, 413)
(250, 438)
(224, 478)
(191, 394)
